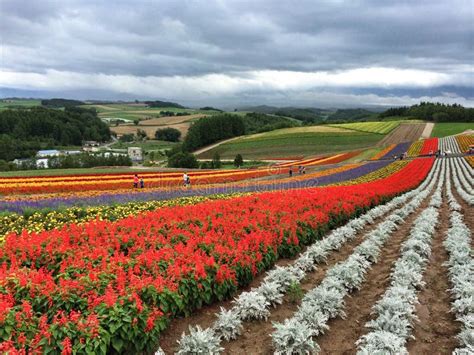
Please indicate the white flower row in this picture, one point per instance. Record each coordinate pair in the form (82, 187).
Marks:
(468, 170)
(255, 304)
(395, 311)
(463, 187)
(461, 273)
(452, 202)
(449, 143)
(326, 301)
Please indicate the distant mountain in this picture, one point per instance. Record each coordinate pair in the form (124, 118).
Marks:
(352, 114)
(307, 114)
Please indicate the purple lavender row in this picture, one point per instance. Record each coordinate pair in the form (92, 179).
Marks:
(397, 150)
(110, 199)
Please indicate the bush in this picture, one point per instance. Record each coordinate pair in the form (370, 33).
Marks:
(129, 137)
(216, 161)
(182, 160)
(168, 134)
(238, 161)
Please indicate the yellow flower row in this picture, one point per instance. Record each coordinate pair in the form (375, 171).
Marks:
(464, 141)
(415, 148)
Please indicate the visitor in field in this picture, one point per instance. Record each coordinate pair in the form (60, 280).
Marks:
(142, 183)
(300, 169)
(186, 180)
(290, 172)
(303, 170)
(135, 181)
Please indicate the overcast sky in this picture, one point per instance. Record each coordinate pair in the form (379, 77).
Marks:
(230, 53)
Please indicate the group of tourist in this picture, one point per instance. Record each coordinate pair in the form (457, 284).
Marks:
(301, 170)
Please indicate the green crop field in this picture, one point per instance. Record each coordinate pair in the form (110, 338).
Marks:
(140, 112)
(444, 129)
(298, 141)
(148, 145)
(371, 127)
(15, 103)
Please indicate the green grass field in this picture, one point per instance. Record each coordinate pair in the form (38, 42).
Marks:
(444, 129)
(5, 104)
(371, 127)
(290, 142)
(133, 112)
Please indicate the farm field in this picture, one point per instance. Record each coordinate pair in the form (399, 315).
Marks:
(298, 141)
(86, 256)
(6, 103)
(405, 132)
(150, 130)
(148, 145)
(138, 111)
(371, 127)
(443, 129)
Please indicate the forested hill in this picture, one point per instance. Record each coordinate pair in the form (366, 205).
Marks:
(433, 112)
(24, 131)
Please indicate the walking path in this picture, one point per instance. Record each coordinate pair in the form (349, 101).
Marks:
(427, 131)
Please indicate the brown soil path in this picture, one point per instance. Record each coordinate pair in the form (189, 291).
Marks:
(343, 333)
(206, 315)
(437, 328)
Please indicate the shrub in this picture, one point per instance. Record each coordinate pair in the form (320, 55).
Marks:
(168, 134)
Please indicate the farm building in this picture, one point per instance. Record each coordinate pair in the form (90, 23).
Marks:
(135, 153)
(48, 153)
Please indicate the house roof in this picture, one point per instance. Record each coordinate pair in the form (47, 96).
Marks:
(50, 151)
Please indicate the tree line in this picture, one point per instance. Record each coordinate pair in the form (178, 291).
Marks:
(429, 111)
(25, 131)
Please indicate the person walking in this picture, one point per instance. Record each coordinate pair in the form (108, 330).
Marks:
(142, 183)
(290, 172)
(135, 181)
(185, 179)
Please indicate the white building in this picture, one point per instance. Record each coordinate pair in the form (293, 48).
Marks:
(135, 154)
(48, 153)
(42, 163)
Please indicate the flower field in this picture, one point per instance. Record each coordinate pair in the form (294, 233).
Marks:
(464, 141)
(164, 180)
(116, 271)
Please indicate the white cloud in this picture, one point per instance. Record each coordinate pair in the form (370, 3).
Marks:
(185, 87)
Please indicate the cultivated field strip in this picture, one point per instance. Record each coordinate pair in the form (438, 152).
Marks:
(326, 301)
(461, 183)
(395, 311)
(256, 303)
(468, 171)
(461, 273)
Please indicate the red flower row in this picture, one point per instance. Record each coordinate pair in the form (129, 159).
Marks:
(430, 146)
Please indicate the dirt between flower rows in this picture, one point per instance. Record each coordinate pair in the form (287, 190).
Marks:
(436, 330)
(437, 326)
(205, 316)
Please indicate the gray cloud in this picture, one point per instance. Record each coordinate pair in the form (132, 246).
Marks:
(195, 38)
